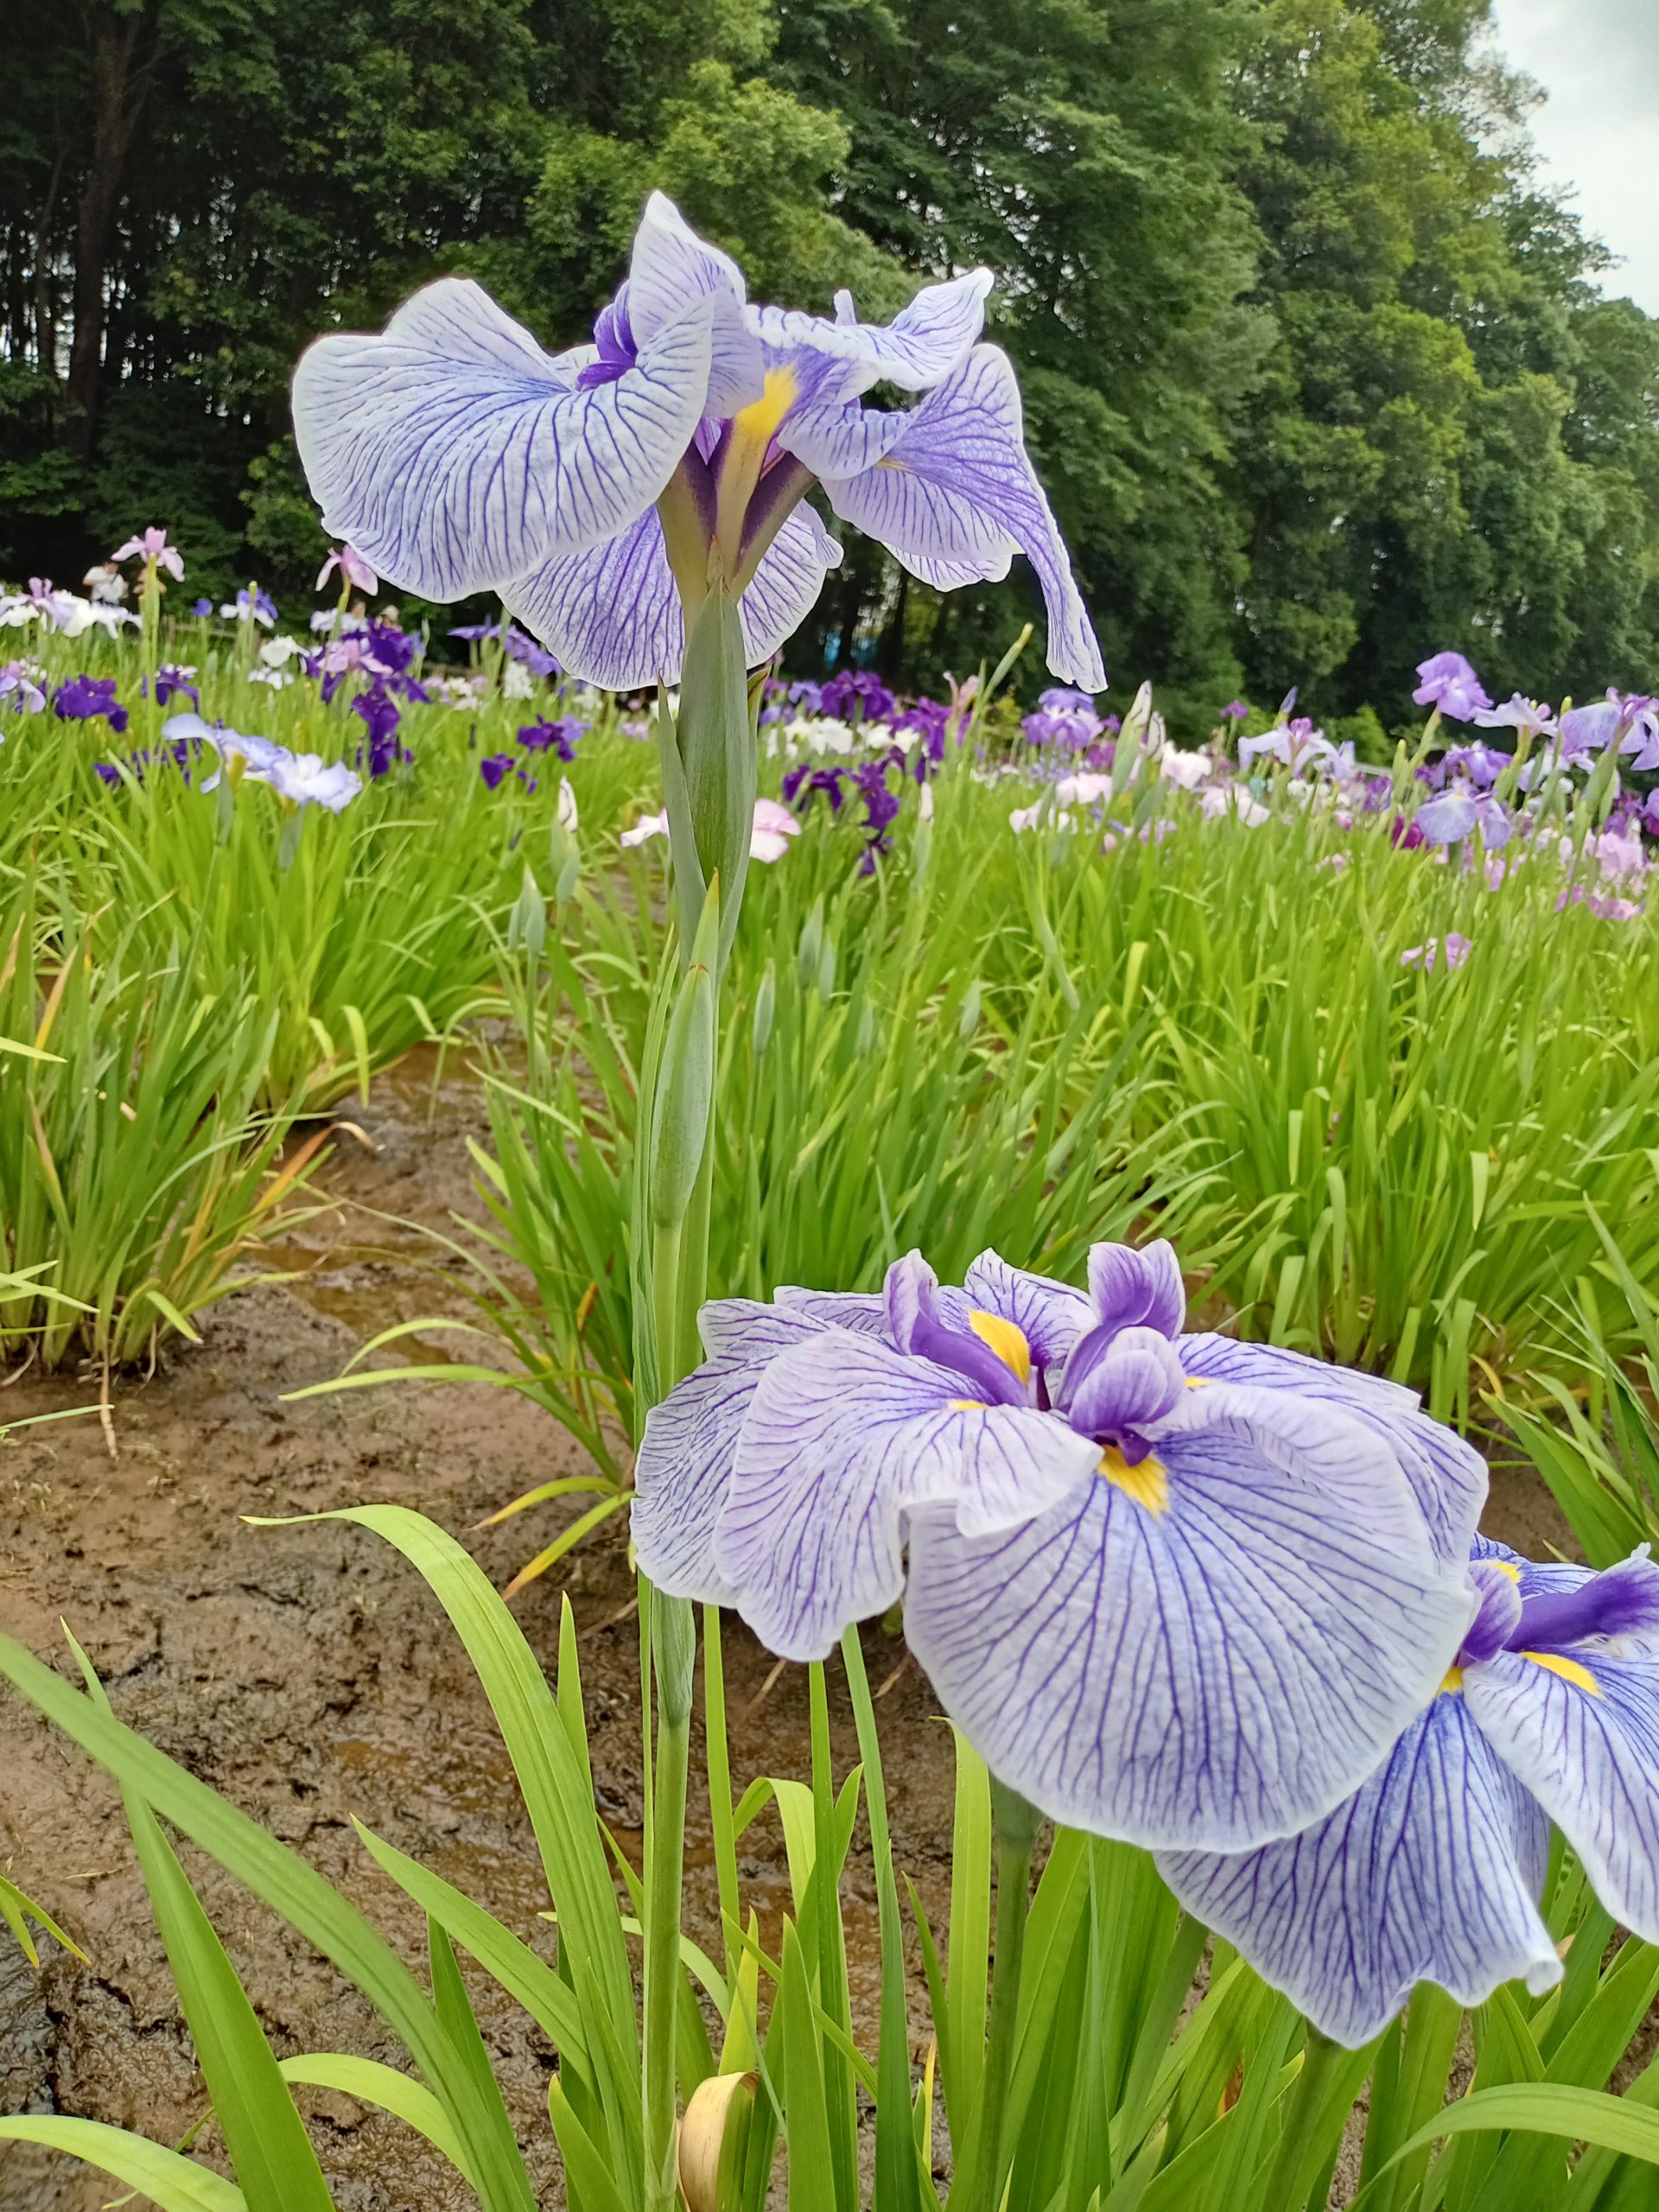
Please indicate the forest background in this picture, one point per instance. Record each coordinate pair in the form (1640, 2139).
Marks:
(1318, 378)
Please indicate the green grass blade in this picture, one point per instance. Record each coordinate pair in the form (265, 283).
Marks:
(1543, 2108)
(806, 2113)
(283, 1880)
(520, 1971)
(372, 2082)
(895, 2147)
(558, 1799)
(174, 2183)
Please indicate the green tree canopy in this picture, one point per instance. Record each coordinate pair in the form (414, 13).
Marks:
(1318, 381)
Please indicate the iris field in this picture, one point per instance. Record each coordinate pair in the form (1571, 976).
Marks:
(1094, 1193)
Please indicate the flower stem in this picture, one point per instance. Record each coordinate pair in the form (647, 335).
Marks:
(1303, 2147)
(674, 1642)
(1017, 1826)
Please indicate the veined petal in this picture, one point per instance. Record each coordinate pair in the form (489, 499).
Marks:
(784, 588)
(925, 341)
(1051, 1314)
(956, 485)
(1446, 1474)
(864, 1311)
(1581, 1731)
(1137, 1286)
(611, 614)
(919, 347)
(1209, 1649)
(844, 1436)
(684, 1464)
(1430, 1873)
(455, 455)
(671, 269)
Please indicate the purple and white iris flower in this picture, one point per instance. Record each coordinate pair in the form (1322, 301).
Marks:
(355, 571)
(298, 779)
(1446, 681)
(1432, 1872)
(1174, 1589)
(252, 604)
(594, 489)
(153, 549)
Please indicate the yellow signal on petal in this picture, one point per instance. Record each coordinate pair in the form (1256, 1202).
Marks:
(1453, 1681)
(1503, 1567)
(1147, 1485)
(1006, 1338)
(968, 1405)
(1569, 1670)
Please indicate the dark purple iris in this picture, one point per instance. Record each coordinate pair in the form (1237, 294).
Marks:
(1623, 1601)
(494, 767)
(614, 336)
(557, 736)
(856, 695)
(392, 646)
(525, 649)
(169, 682)
(85, 698)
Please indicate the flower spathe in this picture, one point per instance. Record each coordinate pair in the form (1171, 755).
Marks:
(1170, 1586)
(594, 490)
(1433, 1870)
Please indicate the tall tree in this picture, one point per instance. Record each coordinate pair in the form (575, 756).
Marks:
(1081, 151)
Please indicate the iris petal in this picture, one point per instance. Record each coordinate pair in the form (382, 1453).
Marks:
(865, 1311)
(784, 588)
(612, 616)
(921, 345)
(1447, 1476)
(842, 1437)
(671, 268)
(1428, 1873)
(1138, 1287)
(1214, 1669)
(956, 486)
(1051, 1314)
(1591, 1758)
(684, 1464)
(455, 455)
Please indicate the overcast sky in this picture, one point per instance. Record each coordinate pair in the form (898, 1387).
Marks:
(1598, 131)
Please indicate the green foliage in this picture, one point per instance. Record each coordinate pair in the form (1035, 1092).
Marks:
(1313, 371)
(1132, 2085)
(135, 1170)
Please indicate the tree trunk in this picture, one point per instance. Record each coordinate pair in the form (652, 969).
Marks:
(120, 85)
(45, 331)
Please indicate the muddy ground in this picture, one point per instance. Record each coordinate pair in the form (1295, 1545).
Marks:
(307, 1673)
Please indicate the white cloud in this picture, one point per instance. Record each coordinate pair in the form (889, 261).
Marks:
(1599, 130)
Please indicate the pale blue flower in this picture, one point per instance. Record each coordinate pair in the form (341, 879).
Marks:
(590, 489)
(1432, 1872)
(1170, 1586)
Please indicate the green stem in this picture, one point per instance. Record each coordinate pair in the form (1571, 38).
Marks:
(1303, 2147)
(1017, 1826)
(674, 1641)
